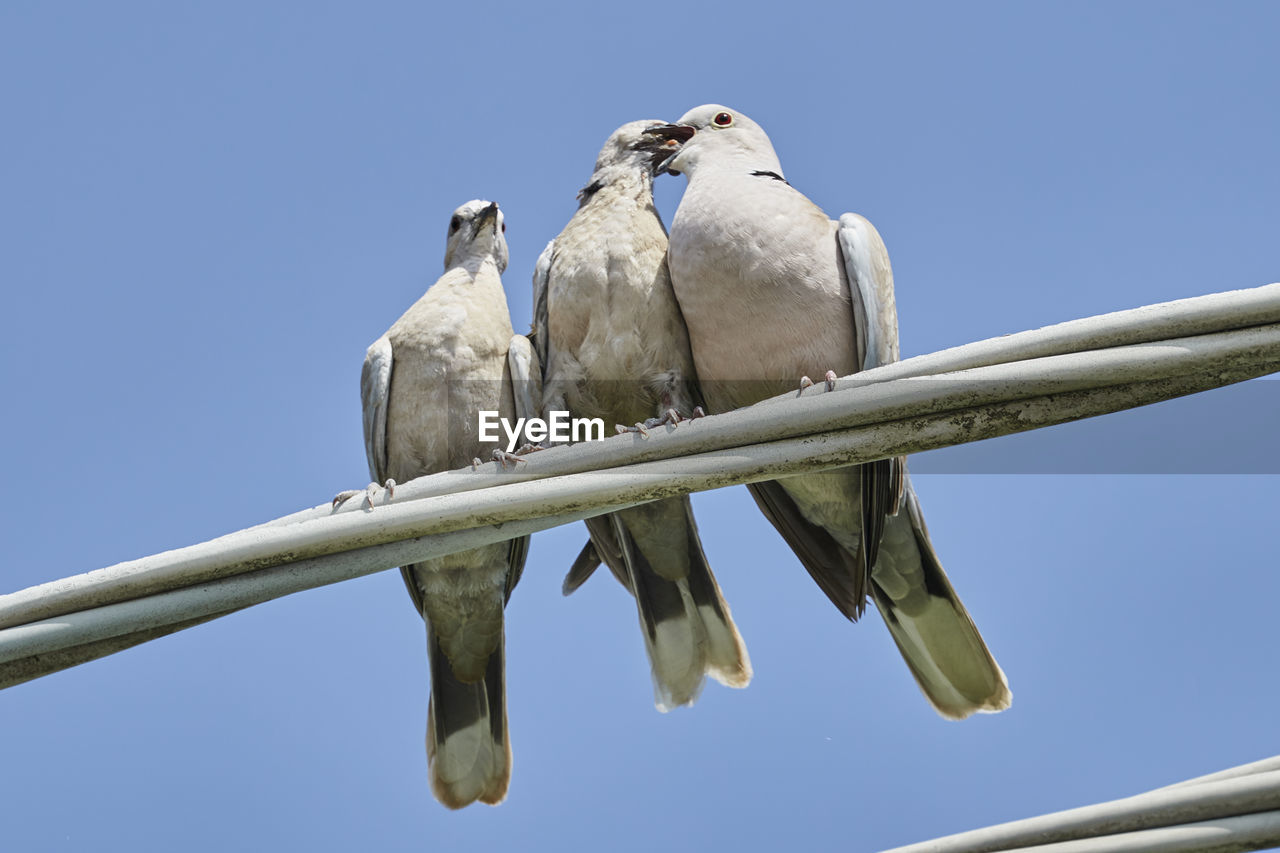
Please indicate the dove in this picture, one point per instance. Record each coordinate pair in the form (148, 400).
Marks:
(613, 345)
(451, 355)
(771, 289)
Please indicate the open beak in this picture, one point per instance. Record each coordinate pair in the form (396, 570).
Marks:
(667, 139)
(679, 132)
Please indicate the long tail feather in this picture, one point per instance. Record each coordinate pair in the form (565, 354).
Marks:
(468, 751)
(931, 627)
(688, 630)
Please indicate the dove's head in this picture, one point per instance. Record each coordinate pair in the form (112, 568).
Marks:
(475, 233)
(718, 136)
(640, 146)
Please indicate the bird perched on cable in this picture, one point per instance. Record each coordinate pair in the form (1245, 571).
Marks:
(772, 289)
(613, 345)
(452, 354)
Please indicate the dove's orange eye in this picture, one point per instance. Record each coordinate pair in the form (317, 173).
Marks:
(454, 224)
(723, 120)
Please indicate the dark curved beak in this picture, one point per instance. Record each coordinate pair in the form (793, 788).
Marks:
(488, 216)
(679, 132)
(667, 139)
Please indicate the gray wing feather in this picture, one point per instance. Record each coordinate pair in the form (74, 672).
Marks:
(526, 377)
(866, 262)
(834, 569)
(541, 275)
(583, 567)
(526, 386)
(589, 560)
(934, 632)
(375, 389)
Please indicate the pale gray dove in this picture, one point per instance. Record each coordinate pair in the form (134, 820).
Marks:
(613, 345)
(452, 354)
(772, 289)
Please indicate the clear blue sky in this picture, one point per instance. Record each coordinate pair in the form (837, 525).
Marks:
(208, 211)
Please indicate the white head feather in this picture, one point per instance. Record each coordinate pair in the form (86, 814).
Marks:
(476, 233)
(723, 138)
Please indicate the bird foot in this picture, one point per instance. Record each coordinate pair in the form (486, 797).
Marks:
(507, 459)
(829, 379)
(342, 497)
(368, 491)
(670, 417)
(526, 449)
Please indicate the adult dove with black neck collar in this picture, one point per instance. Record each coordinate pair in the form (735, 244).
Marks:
(771, 290)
